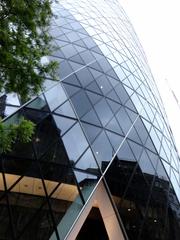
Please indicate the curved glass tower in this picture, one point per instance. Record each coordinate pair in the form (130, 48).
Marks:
(102, 160)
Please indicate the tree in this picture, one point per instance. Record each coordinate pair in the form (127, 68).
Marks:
(24, 40)
(9, 134)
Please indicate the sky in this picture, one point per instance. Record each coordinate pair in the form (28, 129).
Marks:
(157, 24)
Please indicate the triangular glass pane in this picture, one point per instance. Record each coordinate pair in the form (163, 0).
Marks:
(114, 126)
(94, 87)
(96, 66)
(125, 153)
(63, 124)
(150, 145)
(91, 131)
(112, 95)
(85, 77)
(95, 73)
(131, 114)
(80, 43)
(115, 140)
(121, 92)
(153, 157)
(136, 148)
(72, 79)
(94, 98)
(71, 90)
(113, 81)
(66, 110)
(145, 165)
(96, 49)
(87, 162)
(75, 66)
(130, 105)
(134, 136)
(113, 105)
(77, 59)
(111, 73)
(91, 117)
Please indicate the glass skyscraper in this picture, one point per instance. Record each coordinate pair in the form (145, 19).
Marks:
(102, 163)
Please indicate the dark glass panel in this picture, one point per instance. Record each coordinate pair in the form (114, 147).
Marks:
(94, 87)
(104, 84)
(72, 36)
(143, 134)
(71, 90)
(126, 183)
(136, 149)
(104, 64)
(115, 140)
(73, 147)
(80, 43)
(96, 66)
(121, 92)
(6, 229)
(77, 59)
(91, 131)
(55, 96)
(103, 111)
(125, 153)
(72, 79)
(87, 57)
(76, 66)
(94, 98)
(81, 103)
(66, 110)
(113, 105)
(84, 77)
(36, 220)
(87, 162)
(89, 42)
(95, 73)
(69, 50)
(124, 120)
(63, 124)
(112, 95)
(91, 117)
(102, 149)
(114, 126)
(145, 164)
(134, 136)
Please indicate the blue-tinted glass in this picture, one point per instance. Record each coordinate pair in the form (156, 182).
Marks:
(103, 111)
(73, 147)
(102, 149)
(55, 96)
(84, 77)
(123, 120)
(81, 103)
(87, 162)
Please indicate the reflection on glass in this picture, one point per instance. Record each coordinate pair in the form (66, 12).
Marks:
(73, 147)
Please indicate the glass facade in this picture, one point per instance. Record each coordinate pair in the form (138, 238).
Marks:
(103, 120)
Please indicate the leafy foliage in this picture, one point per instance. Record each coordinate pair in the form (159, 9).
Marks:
(9, 134)
(23, 42)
